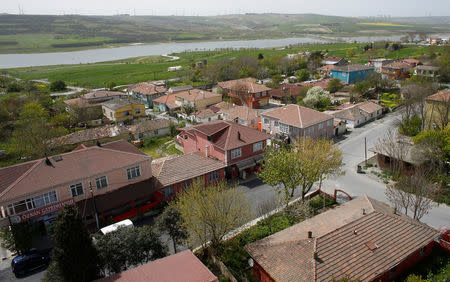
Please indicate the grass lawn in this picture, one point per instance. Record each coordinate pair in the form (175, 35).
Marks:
(158, 147)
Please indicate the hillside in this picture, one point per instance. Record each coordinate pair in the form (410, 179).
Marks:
(44, 33)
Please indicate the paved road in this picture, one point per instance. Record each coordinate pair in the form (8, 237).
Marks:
(353, 183)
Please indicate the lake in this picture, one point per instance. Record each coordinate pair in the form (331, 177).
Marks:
(117, 53)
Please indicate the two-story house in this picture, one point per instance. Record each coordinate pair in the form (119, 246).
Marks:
(291, 121)
(396, 70)
(351, 73)
(111, 181)
(237, 146)
(123, 109)
(146, 92)
(246, 91)
(196, 98)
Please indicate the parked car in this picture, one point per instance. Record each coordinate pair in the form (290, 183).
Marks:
(30, 261)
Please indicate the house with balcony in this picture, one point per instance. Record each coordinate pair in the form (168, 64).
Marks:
(361, 240)
(239, 147)
(396, 70)
(351, 73)
(112, 181)
(146, 92)
(119, 110)
(293, 121)
(245, 92)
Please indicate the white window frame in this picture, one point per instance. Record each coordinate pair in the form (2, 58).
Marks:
(74, 186)
(133, 172)
(257, 146)
(236, 153)
(99, 180)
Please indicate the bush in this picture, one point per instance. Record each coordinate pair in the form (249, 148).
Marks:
(58, 85)
(14, 87)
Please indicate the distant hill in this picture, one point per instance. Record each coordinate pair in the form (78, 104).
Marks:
(40, 33)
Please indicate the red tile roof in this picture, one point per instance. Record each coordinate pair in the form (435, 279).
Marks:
(174, 169)
(297, 116)
(285, 90)
(36, 175)
(228, 135)
(246, 84)
(369, 107)
(168, 100)
(240, 112)
(398, 65)
(102, 94)
(107, 131)
(342, 239)
(443, 95)
(183, 266)
(196, 94)
(146, 88)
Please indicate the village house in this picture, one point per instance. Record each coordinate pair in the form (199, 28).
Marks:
(196, 98)
(396, 70)
(91, 136)
(149, 128)
(379, 63)
(201, 116)
(361, 240)
(239, 147)
(110, 181)
(325, 71)
(183, 266)
(119, 110)
(179, 88)
(339, 127)
(434, 40)
(427, 71)
(94, 99)
(412, 62)
(246, 92)
(437, 110)
(146, 92)
(335, 61)
(355, 115)
(174, 173)
(166, 103)
(292, 121)
(351, 73)
(242, 115)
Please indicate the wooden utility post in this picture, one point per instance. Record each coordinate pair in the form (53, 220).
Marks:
(365, 150)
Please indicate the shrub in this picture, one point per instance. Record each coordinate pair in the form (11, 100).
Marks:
(57, 85)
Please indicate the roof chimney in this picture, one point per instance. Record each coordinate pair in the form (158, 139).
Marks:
(309, 234)
(363, 211)
(316, 256)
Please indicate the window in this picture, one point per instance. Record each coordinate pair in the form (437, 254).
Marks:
(257, 146)
(187, 183)
(213, 176)
(320, 126)
(167, 192)
(276, 123)
(311, 130)
(133, 172)
(76, 189)
(45, 199)
(266, 121)
(101, 182)
(138, 111)
(33, 203)
(256, 95)
(236, 153)
(284, 128)
(329, 122)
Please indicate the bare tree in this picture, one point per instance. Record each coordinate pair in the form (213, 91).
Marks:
(394, 147)
(399, 198)
(440, 113)
(414, 96)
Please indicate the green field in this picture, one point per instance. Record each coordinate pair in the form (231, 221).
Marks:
(45, 33)
(155, 67)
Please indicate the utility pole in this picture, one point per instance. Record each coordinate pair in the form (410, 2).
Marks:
(95, 206)
(365, 150)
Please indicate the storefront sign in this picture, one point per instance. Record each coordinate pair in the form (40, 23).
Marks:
(45, 210)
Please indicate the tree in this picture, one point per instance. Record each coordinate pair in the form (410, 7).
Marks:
(14, 87)
(171, 223)
(209, 213)
(350, 52)
(260, 56)
(17, 237)
(334, 85)
(172, 129)
(395, 148)
(57, 85)
(188, 109)
(301, 165)
(317, 98)
(74, 257)
(414, 96)
(410, 126)
(127, 247)
(32, 131)
(361, 88)
(110, 85)
(302, 75)
(434, 145)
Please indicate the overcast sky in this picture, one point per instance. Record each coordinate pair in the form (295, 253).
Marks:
(393, 8)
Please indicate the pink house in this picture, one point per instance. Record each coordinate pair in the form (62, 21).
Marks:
(237, 146)
(292, 121)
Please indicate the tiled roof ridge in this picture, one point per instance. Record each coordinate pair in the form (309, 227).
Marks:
(227, 140)
(300, 116)
(39, 161)
(116, 150)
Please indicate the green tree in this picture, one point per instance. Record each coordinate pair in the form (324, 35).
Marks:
(302, 75)
(172, 129)
(57, 85)
(317, 98)
(334, 85)
(14, 87)
(110, 85)
(171, 222)
(17, 237)
(301, 165)
(434, 145)
(361, 88)
(209, 213)
(410, 126)
(74, 257)
(350, 52)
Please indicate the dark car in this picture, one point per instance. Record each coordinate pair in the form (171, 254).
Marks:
(30, 261)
